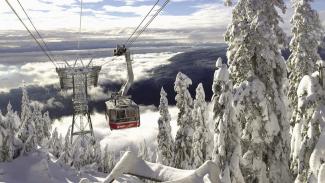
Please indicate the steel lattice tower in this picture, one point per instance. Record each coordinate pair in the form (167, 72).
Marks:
(79, 79)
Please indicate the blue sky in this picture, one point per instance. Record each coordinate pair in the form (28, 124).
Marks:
(114, 16)
(108, 14)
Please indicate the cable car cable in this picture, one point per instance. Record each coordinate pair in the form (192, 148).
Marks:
(148, 23)
(39, 35)
(79, 36)
(142, 21)
(33, 36)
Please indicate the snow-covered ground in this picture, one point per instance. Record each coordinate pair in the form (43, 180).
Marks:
(34, 168)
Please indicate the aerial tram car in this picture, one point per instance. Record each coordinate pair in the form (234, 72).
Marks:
(121, 111)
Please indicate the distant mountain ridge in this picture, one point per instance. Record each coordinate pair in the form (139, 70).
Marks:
(198, 64)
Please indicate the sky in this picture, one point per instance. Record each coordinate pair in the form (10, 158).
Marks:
(107, 14)
(110, 14)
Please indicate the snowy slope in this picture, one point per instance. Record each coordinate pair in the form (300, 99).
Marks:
(35, 168)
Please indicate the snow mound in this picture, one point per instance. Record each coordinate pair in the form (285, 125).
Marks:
(133, 165)
(39, 167)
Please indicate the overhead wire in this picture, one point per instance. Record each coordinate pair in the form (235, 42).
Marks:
(38, 33)
(31, 34)
(138, 34)
(79, 35)
(135, 30)
(130, 43)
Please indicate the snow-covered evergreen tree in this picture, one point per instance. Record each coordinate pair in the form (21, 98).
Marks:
(12, 119)
(184, 136)
(7, 138)
(25, 107)
(164, 138)
(202, 136)
(55, 144)
(307, 36)
(309, 137)
(47, 126)
(38, 121)
(10, 145)
(259, 73)
(227, 147)
(25, 116)
(97, 153)
(65, 154)
(2, 123)
(28, 129)
(108, 161)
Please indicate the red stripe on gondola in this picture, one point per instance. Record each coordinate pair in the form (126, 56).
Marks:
(124, 125)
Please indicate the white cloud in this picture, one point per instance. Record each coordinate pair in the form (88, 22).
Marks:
(137, 10)
(43, 73)
(51, 15)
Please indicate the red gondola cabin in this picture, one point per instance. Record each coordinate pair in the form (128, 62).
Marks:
(122, 113)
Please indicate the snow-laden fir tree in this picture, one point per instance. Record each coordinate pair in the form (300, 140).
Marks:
(307, 36)
(201, 136)
(29, 129)
(37, 119)
(65, 152)
(26, 111)
(27, 124)
(259, 74)
(309, 151)
(47, 126)
(55, 144)
(164, 138)
(12, 119)
(85, 152)
(227, 147)
(7, 149)
(2, 137)
(184, 136)
(97, 153)
(108, 161)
